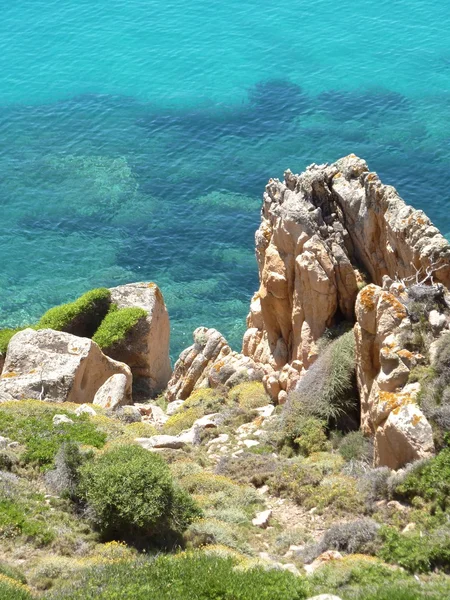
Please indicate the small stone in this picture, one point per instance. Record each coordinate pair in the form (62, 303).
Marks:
(409, 527)
(220, 439)
(262, 490)
(161, 441)
(4, 441)
(264, 555)
(173, 407)
(325, 597)
(59, 419)
(235, 454)
(323, 559)
(282, 397)
(13, 445)
(437, 320)
(262, 519)
(85, 409)
(291, 568)
(251, 443)
(265, 411)
(396, 506)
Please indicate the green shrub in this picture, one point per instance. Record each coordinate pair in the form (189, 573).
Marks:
(81, 317)
(415, 552)
(65, 477)
(355, 446)
(30, 422)
(311, 436)
(248, 468)
(19, 518)
(429, 480)
(12, 572)
(132, 493)
(195, 576)
(211, 531)
(327, 391)
(249, 395)
(116, 325)
(12, 590)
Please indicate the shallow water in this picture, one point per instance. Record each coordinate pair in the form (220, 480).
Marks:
(136, 136)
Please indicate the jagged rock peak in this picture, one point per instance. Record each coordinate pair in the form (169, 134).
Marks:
(323, 235)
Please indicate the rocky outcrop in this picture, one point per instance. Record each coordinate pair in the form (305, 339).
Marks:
(389, 411)
(146, 347)
(323, 234)
(56, 367)
(209, 362)
(113, 393)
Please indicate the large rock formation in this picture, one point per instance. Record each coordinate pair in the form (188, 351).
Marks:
(56, 367)
(210, 362)
(146, 347)
(323, 233)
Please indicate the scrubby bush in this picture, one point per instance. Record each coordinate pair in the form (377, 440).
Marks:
(249, 395)
(10, 589)
(429, 480)
(30, 422)
(196, 576)
(131, 493)
(355, 446)
(414, 552)
(12, 572)
(81, 317)
(374, 485)
(248, 468)
(204, 401)
(116, 326)
(65, 477)
(352, 537)
(213, 531)
(327, 391)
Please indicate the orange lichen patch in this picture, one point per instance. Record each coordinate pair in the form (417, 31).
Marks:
(372, 177)
(10, 374)
(400, 310)
(405, 354)
(394, 401)
(416, 420)
(218, 365)
(366, 297)
(338, 174)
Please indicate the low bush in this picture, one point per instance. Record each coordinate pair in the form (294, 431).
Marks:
(352, 537)
(355, 446)
(81, 317)
(12, 572)
(249, 395)
(429, 480)
(30, 422)
(414, 552)
(248, 468)
(358, 577)
(196, 576)
(27, 519)
(212, 531)
(131, 493)
(116, 326)
(10, 589)
(65, 477)
(327, 391)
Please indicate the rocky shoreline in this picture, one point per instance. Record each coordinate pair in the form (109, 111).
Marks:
(347, 334)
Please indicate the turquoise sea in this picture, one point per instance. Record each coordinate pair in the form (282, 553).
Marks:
(136, 136)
